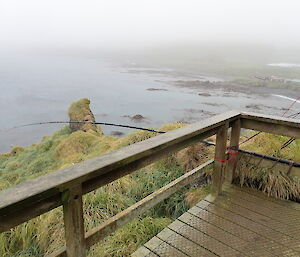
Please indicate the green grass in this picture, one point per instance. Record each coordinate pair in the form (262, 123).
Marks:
(45, 233)
(271, 178)
(270, 144)
(128, 238)
(24, 164)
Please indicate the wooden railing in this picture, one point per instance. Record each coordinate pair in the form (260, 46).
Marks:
(66, 187)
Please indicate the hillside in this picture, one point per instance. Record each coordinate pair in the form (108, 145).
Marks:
(65, 148)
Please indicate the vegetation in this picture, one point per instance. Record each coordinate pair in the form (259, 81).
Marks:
(270, 144)
(272, 179)
(45, 234)
(80, 111)
(66, 147)
(254, 82)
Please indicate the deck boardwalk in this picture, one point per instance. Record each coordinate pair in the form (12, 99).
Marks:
(239, 222)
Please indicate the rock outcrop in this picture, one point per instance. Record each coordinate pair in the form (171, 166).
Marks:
(80, 111)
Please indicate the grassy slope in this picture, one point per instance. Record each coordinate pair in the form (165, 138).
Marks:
(270, 144)
(45, 233)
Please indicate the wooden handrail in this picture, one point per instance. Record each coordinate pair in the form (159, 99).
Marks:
(35, 197)
(66, 187)
(270, 124)
(106, 228)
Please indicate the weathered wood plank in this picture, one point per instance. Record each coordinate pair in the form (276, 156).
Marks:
(262, 245)
(36, 208)
(62, 252)
(218, 233)
(74, 223)
(234, 146)
(236, 223)
(271, 124)
(185, 245)
(205, 240)
(143, 252)
(271, 128)
(28, 212)
(98, 233)
(283, 215)
(26, 195)
(271, 119)
(283, 203)
(217, 176)
(95, 183)
(163, 249)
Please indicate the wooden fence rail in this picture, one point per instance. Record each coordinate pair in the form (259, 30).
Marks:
(66, 187)
(98, 233)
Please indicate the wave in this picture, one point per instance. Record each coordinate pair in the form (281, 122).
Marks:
(288, 98)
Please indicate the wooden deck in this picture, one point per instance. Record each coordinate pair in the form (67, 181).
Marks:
(239, 222)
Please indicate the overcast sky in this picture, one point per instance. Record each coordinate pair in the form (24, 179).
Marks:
(147, 22)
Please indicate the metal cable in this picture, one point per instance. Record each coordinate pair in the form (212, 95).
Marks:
(88, 122)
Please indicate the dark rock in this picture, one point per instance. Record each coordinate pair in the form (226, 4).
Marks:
(204, 94)
(138, 117)
(117, 133)
(156, 89)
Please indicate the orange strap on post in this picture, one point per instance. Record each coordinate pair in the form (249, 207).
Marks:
(230, 153)
(219, 160)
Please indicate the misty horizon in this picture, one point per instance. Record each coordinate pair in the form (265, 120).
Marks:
(137, 24)
(159, 51)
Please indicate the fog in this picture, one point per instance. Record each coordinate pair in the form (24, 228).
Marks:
(147, 57)
(142, 23)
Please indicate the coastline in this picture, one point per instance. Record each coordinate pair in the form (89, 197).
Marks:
(120, 92)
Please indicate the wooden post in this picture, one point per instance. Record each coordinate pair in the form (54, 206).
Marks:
(234, 146)
(219, 163)
(74, 222)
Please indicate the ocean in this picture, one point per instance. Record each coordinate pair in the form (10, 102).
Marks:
(40, 87)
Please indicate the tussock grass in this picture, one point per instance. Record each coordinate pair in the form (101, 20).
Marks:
(273, 179)
(45, 233)
(36, 160)
(128, 238)
(270, 144)
(274, 182)
(35, 237)
(191, 157)
(195, 195)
